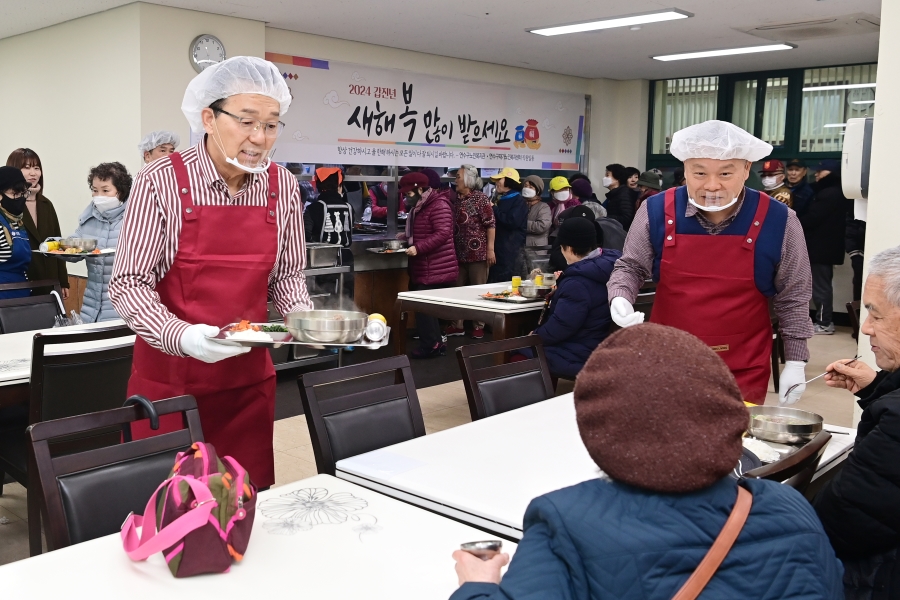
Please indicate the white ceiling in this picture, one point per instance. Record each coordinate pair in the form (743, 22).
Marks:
(494, 30)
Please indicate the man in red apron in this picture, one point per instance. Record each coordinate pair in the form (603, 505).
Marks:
(210, 234)
(719, 253)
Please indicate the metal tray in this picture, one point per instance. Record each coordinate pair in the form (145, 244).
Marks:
(401, 251)
(61, 255)
(281, 338)
(513, 299)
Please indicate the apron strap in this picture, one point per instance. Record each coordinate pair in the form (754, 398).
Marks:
(273, 194)
(762, 208)
(670, 218)
(184, 187)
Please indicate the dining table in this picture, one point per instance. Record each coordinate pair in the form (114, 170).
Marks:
(485, 473)
(15, 356)
(507, 319)
(320, 537)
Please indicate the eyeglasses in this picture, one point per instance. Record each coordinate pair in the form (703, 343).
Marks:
(249, 125)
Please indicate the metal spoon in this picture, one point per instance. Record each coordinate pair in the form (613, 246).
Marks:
(796, 385)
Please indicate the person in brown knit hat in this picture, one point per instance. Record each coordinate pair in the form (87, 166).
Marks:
(678, 428)
(662, 415)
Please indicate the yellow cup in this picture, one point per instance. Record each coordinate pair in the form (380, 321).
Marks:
(538, 280)
(516, 282)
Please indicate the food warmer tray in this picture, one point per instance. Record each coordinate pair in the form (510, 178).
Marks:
(280, 338)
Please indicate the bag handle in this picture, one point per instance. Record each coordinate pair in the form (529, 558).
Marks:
(152, 542)
(716, 554)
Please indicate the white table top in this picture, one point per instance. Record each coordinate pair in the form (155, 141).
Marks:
(467, 297)
(383, 548)
(486, 472)
(15, 349)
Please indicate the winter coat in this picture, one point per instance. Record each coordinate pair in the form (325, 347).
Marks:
(613, 239)
(432, 235)
(511, 214)
(803, 194)
(556, 208)
(44, 267)
(858, 508)
(825, 221)
(577, 317)
(539, 222)
(605, 540)
(620, 205)
(338, 229)
(105, 227)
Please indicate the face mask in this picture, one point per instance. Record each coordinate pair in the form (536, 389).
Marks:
(105, 203)
(14, 206)
(528, 193)
(607, 181)
(771, 182)
(411, 201)
(561, 196)
(261, 167)
(714, 201)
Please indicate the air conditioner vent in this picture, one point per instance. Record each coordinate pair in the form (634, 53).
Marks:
(855, 24)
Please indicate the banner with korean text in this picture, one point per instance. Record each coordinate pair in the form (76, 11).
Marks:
(352, 114)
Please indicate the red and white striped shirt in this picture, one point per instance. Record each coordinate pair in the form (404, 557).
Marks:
(151, 229)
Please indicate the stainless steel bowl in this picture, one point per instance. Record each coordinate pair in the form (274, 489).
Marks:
(393, 244)
(326, 326)
(784, 433)
(484, 550)
(86, 244)
(534, 291)
(549, 279)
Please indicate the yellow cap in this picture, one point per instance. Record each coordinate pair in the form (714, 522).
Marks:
(378, 317)
(507, 172)
(559, 183)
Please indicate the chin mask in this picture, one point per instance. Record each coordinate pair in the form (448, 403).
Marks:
(262, 165)
(714, 201)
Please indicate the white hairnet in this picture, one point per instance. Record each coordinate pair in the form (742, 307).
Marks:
(237, 75)
(155, 139)
(717, 140)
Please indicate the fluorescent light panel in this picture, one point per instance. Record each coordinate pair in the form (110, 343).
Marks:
(832, 125)
(863, 102)
(849, 86)
(725, 52)
(669, 14)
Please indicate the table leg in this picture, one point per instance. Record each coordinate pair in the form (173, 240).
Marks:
(501, 331)
(401, 320)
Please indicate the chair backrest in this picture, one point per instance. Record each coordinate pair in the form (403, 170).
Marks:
(28, 314)
(356, 423)
(74, 383)
(498, 388)
(89, 494)
(30, 285)
(797, 469)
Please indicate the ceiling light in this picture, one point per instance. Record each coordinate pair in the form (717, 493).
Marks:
(849, 86)
(669, 14)
(863, 102)
(726, 52)
(832, 125)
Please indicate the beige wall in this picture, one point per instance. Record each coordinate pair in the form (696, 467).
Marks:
(883, 224)
(618, 125)
(72, 94)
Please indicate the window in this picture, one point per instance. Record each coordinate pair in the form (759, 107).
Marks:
(743, 110)
(679, 103)
(826, 111)
(775, 111)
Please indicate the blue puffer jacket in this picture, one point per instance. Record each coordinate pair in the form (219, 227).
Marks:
(105, 227)
(578, 318)
(607, 540)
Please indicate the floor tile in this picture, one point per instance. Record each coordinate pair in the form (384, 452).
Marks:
(290, 468)
(302, 452)
(291, 433)
(447, 418)
(13, 539)
(14, 500)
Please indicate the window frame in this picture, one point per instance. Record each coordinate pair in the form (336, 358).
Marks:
(725, 105)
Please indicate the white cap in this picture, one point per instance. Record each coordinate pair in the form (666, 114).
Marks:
(155, 139)
(717, 140)
(237, 75)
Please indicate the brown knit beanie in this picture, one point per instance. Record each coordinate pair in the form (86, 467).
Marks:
(657, 409)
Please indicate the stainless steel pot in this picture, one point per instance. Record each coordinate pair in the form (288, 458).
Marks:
(326, 326)
(319, 255)
(534, 291)
(784, 425)
(393, 244)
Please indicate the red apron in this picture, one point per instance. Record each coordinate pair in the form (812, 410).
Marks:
(707, 288)
(215, 281)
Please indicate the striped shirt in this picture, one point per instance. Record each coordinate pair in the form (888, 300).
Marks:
(5, 245)
(793, 278)
(150, 233)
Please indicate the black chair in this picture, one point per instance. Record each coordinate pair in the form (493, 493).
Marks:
(28, 314)
(498, 388)
(797, 469)
(88, 494)
(356, 423)
(853, 314)
(64, 385)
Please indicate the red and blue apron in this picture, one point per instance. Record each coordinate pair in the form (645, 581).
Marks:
(717, 287)
(14, 270)
(215, 281)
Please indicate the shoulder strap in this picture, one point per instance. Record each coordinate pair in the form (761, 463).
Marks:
(719, 550)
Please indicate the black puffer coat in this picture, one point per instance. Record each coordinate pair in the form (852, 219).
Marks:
(620, 204)
(860, 507)
(825, 220)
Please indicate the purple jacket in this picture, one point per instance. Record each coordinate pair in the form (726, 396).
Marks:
(432, 235)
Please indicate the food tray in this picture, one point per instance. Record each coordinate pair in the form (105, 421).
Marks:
(386, 251)
(512, 299)
(92, 254)
(280, 338)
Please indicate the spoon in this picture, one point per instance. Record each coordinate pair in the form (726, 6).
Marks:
(796, 385)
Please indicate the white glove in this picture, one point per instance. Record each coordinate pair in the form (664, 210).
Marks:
(794, 372)
(623, 312)
(194, 342)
